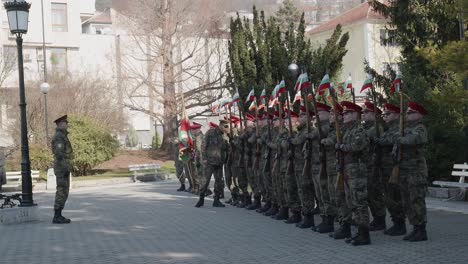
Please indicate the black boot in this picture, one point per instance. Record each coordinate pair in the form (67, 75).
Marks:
(308, 221)
(243, 202)
(316, 210)
(256, 204)
(377, 224)
(419, 233)
(208, 192)
(272, 211)
(326, 226)
(294, 218)
(363, 237)
(343, 232)
(201, 201)
(398, 228)
(222, 195)
(264, 208)
(58, 218)
(217, 203)
(182, 188)
(283, 214)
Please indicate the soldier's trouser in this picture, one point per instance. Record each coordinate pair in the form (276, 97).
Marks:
(217, 171)
(413, 184)
(327, 186)
(281, 187)
(308, 192)
(267, 181)
(275, 171)
(344, 212)
(375, 191)
(356, 191)
(294, 202)
(242, 179)
(180, 171)
(251, 179)
(317, 185)
(228, 179)
(63, 188)
(392, 195)
(189, 173)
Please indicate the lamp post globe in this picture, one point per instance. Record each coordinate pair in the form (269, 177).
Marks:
(45, 88)
(18, 16)
(293, 69)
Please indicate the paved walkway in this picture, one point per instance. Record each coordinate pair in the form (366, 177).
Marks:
(152, 223)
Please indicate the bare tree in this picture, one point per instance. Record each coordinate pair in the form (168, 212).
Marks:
(84, 94)
(175, 51)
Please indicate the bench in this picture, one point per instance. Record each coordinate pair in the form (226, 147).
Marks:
(459, 170)
(14, 178)
(144, 172)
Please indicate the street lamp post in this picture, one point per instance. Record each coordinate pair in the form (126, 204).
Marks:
(18, 15)
(45, 89)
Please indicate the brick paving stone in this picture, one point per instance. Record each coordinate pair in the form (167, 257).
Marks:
(152, 223)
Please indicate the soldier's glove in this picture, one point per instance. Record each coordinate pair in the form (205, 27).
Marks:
(395, 154)
(337, 145)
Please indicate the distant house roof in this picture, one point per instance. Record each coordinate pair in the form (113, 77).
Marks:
(100, 18)
(358, 13)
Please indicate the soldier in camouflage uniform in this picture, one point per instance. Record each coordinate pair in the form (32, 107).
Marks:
(214, 155)
(179, 167)
(249, 131)
(256, 167)
(270, 179)
(354, 146)
(280, 177)
(391, 192)
(305, 184)
(265, 165)
(198, 175)
(413, 171)
(240, 167)
(318, 175)
(374, 161)
(62, 150)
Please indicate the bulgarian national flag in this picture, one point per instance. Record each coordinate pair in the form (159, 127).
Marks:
(215, 107)
(250, 97)
(324, 84)
(253, 105)
(396, 84)
(349, 83)
(297, 97)
(263, 95)
(225, 102)
(367, 83)
(185, 137)
(281, 88)
(273, 101)
(236, 97)
(302, 81)
(261, 105)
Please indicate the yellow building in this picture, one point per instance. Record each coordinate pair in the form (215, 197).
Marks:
(366, 30)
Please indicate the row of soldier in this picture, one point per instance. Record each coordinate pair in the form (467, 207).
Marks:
(289, 173)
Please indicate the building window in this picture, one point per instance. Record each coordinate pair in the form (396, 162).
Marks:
(59, 17)
(388, 37)
(58, 59)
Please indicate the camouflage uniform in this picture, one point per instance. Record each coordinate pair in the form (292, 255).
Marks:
(198, 170)
(248, 156)
(281, 177)
(391, 192)
(256, 182)
(300, 182)
(214, 152)
(63, 152)
(309, 205)
(239, 168)
(265, 166)
(413, 173)
(375, 186)
(355, 143)
(328, 179)
(178, 164)
(271, 181)
(318, 179)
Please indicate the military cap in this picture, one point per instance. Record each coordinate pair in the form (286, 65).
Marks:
(61, 119)
(195, 125)
(370, 107)
(350, 107)
(391, 108)
(416, 107)
(260, 117)
(250, 117)
(213, 125)
(303, 111)
(322, 107)
(338, 107)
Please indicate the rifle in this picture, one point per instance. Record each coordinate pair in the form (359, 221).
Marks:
(377, 149)
(257, 144)
(395, 178)
(290, 167)
(340, 176)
